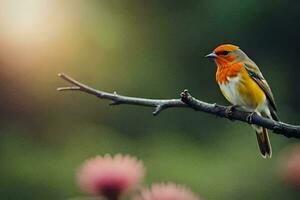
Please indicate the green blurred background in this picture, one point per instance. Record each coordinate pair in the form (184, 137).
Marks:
(147, 49)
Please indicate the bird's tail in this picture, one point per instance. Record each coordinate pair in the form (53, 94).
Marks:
(263, 142)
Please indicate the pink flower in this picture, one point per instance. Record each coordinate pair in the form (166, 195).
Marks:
(290, 164)
(166, 191)
(110, 176)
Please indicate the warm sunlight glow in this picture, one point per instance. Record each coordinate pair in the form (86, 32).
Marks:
(24, 15)
(34, 33)
(24, 18)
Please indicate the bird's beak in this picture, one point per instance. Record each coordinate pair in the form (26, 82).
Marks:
(211, 55)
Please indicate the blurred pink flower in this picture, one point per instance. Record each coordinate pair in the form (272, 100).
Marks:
(166, 191)
(290, 164)
(110, 176)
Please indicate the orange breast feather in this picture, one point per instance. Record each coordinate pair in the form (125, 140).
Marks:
(226, 71)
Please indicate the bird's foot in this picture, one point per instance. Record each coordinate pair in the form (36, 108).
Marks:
(249, 117)
(229, 111)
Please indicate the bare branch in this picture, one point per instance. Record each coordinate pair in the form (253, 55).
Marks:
(187, 101)
(158, 104)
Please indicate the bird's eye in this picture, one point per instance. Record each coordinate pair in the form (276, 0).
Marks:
(225, 53)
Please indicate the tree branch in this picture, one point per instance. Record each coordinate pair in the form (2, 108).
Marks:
(186, 101)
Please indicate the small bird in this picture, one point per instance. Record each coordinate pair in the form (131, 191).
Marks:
(244, 86)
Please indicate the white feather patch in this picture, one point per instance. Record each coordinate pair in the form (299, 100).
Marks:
(230, 90)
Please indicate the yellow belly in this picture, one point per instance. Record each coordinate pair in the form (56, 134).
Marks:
(251, 93)
(243, 91)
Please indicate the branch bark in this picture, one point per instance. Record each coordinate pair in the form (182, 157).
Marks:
(186, 101)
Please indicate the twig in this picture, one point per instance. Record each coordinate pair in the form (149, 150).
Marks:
(186, 101)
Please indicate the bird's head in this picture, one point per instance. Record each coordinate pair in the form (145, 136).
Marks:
(227, 53)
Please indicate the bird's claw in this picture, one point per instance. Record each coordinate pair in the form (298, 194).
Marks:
(249, 117)
(229, 110)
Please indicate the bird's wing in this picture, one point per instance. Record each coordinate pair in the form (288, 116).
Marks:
(257, 76)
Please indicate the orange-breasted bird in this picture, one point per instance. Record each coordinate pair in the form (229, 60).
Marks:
(243, 85)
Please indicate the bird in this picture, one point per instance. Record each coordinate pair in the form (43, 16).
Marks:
(244, 86)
